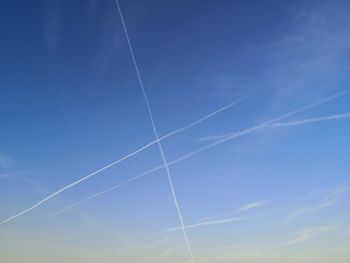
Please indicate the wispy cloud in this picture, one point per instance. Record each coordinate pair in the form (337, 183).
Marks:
(156, 243)
(11, 174)
(308, 233)
(331, 197)
(53, 11)
(252, 205)
(5, 161)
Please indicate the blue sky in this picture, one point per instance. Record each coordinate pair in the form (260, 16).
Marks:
(253, 184)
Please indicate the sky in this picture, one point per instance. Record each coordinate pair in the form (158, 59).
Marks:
(251, 101)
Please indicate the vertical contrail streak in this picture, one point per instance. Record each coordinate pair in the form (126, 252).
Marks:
(188, 244)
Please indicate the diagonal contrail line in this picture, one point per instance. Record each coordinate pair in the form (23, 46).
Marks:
(207, 223)
(126, 157)
(332, 97)
(311, 120)
(263, 125)
(188, 244)
(286, 115)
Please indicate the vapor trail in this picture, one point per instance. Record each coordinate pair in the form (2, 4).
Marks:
(232, 136)
(284, 116)
(107, 190)
(171, 184)
(128, 156)
(335, 96)
(207, 223)
(306, 121)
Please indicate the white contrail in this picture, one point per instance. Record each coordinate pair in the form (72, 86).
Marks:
(127, 157)
(207, 223)
(239, 210)
(107, 190)
(284, 116)
(252, 205)
(306, 121)
(188, 244)
(183, 157)
(197, 151)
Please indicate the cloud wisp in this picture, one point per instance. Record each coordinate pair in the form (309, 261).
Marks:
(308, 233)
(125, 158)
(199, 150)
(311, 120)
(11, 174)
(251, 206)
(331, 198)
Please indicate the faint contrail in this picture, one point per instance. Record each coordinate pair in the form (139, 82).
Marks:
(306, 121)
(252, 205)
(226, 138)
(207, 223)
(107, 190)
(11, 174)
(127, 157)
(238, 210)
(284, 116)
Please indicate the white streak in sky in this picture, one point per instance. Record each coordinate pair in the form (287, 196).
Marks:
(251, 206)
(125, 158)
(166, 166)
(308, 233)
(241, 209)
(330, 198)
(11, 174)
(207, 223)
(284, 116)
(306, 121)
(195, 152)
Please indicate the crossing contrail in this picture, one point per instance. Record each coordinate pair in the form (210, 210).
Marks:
(162, 154)
(128, 156)
(223, 139)
(232, 136)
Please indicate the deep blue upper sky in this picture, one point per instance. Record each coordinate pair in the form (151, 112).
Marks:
(70, 103)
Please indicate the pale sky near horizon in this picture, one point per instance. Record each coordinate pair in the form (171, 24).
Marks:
(70, 104)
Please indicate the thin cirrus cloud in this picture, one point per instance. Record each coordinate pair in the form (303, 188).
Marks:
(215, 221)
(331, 198)
(307, 233)
(252, 205)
